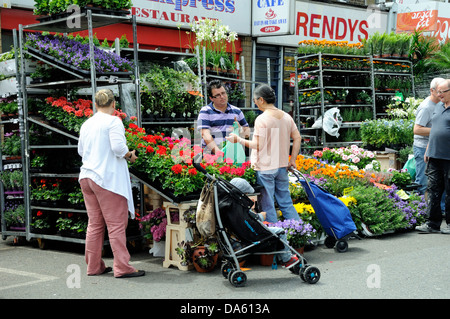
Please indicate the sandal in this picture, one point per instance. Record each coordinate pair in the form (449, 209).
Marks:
(137, 273)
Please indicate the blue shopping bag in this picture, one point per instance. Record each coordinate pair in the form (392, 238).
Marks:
(332, 213)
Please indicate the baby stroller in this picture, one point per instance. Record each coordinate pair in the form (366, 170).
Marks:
(236, 224)
(332, 213)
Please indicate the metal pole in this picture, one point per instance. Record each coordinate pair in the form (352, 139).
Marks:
(199, 68)
(23, 124)
(91, 57)
(137, 83)
(244, 86)
(204, 75)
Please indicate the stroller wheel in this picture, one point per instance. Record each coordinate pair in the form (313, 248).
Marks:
(341, 246)
(329, 242)
(237, 278)
(310, 274)
(226, 268)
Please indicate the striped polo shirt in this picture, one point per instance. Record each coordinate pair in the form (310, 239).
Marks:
(218, 122)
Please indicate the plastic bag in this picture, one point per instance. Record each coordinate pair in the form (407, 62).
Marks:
(317, 123)
(332, 121)
(234, 151)
(410, 165)
(205, 218)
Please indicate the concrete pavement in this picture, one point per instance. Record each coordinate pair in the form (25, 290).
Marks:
(405, 265)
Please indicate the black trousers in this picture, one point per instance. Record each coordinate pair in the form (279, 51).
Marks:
(438, 173)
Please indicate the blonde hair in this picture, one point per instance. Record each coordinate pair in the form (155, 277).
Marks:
(104, 98)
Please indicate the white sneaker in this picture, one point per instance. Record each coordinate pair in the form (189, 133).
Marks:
(445, 230)
(425, 228)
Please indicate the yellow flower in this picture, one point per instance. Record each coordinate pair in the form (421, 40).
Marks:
(303, 208)
(348, 200)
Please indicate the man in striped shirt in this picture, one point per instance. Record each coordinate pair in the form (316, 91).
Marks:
(216, 119)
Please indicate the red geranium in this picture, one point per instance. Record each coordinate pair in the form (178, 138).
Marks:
(177, 168)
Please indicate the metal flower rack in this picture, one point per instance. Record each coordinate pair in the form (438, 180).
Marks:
(324, 81)
(85, 20)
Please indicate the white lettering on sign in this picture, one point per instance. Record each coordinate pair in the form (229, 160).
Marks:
(423, 17)
(270, 29)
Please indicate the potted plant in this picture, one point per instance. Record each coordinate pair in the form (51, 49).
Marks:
(376, 41)
(48, 193)
(376, 213)
(74, 54)
(79, 227)
(12, 146)
(236, 94)
(37, 162)
(8, 108)
(401, 179)
(298, 232)
(15, 218)
(202, 254)
(340, 96)
(171, 160)
(154, 224)
(76, 198)
(363, 97)
(168, 92)
(12, 180)
(64, 223)
(41, 223)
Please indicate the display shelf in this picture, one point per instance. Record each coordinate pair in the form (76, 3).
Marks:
(156, 186)
(44, 123)
(157, 55)
(354, 74)
(14, 196)
(76, 78)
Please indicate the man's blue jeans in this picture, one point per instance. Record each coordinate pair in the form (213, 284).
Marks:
(421, 178)
(276, 184)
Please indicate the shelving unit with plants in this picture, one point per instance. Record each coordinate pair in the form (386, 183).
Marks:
(391, 67)
(325, 81)
(12, 210)
(391, 77)
(53, 202)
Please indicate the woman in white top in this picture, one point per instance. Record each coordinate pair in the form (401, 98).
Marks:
(105, 183)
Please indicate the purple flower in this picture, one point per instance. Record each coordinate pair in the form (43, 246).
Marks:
(77, 54)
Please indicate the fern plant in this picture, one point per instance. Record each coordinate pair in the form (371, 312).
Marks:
(440, 59)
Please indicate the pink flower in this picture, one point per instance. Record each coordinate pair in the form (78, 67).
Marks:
(318, 153)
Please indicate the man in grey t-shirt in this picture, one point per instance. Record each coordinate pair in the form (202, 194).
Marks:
(422, 127)
(437, 157)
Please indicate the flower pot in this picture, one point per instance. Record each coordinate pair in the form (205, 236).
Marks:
(197, 252)
(300, 250)
(158, 249)
(17, 228)
(266, 260)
